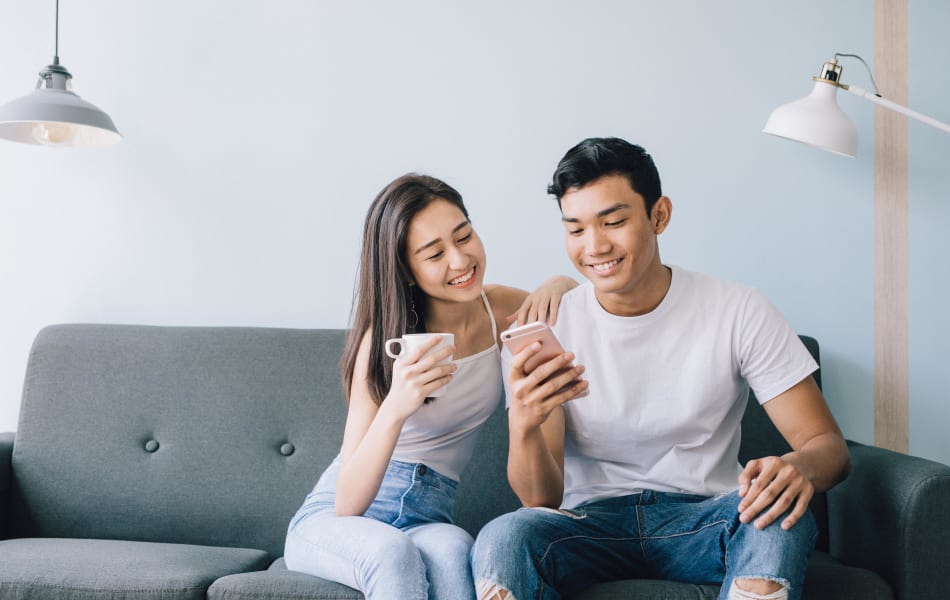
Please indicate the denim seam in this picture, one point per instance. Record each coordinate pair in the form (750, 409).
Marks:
(583, 537)
(638, 511)
(691, 532)
(780, 580)
(402, 498)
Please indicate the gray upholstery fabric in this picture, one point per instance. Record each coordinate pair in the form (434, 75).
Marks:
(6, 479)
(206, 440)
(220, 403)
(648, 589)
(278, 582)
(826, 578)
(52, 569)
(892, 515)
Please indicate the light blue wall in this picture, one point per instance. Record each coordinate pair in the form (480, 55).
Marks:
(929, 170)
(258, 132)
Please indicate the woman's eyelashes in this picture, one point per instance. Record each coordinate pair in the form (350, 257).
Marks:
(462, 240)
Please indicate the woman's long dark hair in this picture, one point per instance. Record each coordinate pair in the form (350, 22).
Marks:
(385, 289)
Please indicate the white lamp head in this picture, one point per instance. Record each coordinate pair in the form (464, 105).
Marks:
(52, 115)
(816, 119)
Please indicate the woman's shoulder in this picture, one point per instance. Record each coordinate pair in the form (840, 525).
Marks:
(505, 298)
(504, 301)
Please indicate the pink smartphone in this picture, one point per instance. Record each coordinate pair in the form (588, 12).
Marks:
(521, 337)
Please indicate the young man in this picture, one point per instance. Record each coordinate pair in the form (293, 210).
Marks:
(640, 478)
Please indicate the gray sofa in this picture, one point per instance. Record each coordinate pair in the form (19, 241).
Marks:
(166, 462)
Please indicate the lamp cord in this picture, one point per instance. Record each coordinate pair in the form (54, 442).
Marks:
(56, 53)
(877, 92)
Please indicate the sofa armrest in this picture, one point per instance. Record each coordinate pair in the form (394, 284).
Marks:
(6, 479)
(890, 516)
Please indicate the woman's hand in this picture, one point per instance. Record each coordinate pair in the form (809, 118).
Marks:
(415, 376)
(542, 303)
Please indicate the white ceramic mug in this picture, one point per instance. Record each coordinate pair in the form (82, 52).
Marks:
(411, 341)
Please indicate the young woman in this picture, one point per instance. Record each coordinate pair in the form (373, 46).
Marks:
(380, 517)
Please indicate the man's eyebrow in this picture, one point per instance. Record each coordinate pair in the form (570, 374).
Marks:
(436, 241)
(600, 214)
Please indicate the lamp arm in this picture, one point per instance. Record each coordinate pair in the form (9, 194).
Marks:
(862, 93)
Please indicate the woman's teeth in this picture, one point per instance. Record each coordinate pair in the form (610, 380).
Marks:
(463, 278)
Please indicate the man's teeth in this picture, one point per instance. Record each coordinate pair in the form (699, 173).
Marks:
(463, 278)
(605, 266)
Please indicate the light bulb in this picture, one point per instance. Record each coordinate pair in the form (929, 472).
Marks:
(55, 134)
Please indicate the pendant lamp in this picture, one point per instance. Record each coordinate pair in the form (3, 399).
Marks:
(52, 115)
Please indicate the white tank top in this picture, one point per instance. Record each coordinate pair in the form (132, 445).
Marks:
(442, 433)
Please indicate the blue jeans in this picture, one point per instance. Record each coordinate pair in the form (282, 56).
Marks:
(404, 545)
(540, 553)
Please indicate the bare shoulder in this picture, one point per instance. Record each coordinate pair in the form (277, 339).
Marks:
(505, 299)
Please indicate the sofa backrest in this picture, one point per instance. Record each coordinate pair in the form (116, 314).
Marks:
(208, 435)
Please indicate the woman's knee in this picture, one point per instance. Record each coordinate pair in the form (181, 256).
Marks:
(393, 551)
(442, 541)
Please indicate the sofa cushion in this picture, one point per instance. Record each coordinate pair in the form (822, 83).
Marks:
(279, 583)
(67, 569)
(825, 579)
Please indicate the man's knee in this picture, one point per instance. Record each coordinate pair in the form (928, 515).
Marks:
(489, 543)
(486, 590)
(496, 536)
(749, 588)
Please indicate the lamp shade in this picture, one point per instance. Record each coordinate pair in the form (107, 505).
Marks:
(55, 116)
(816, 120)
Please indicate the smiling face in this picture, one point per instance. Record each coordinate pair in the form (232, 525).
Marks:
(612, 242)
(444, 254)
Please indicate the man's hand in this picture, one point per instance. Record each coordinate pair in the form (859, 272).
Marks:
(773, 484)
(548, 386)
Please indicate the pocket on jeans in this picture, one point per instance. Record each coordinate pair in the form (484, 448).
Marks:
(425, 504)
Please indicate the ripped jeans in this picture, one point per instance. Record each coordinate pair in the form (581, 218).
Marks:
(404, 546)
(542, 554)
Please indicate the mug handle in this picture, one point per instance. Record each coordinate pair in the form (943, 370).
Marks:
(389, 344)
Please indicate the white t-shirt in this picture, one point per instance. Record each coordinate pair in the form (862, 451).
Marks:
(668, 389)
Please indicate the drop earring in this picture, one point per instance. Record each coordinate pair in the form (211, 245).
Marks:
(412, 310)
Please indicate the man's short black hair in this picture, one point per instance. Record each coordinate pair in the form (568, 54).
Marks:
(594, 158)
